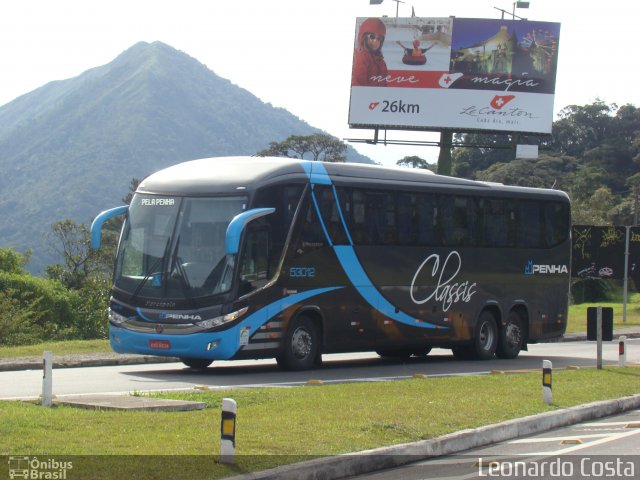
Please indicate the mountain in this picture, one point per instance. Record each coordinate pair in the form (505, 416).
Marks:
(70, 148)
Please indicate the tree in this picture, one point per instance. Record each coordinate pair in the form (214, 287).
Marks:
(596, 210)
(72, 244)
(416, 162)
(544, 172)
(14, 262)
(319, 147)
(82, 266)
(583, 127)
(480, 151)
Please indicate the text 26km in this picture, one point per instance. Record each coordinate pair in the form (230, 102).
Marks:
(302, 272)
(398, 106)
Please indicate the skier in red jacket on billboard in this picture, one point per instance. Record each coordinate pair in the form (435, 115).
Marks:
(369, 67)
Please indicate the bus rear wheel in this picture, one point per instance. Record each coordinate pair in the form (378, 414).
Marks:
(301, 347)
(511, 337)
(196, 363)
(485, 340)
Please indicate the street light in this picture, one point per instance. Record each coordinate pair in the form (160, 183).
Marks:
(513, 12)
(518, 5)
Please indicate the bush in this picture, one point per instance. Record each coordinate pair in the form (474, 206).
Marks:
(91, 310)
(591, 290)
(33, 309)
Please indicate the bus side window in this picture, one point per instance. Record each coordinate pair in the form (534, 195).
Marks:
(285, 200)
(529, 223)
(405, 208)
(309, 235)
(425, 218)
(556, 222)
(496, 223)
(254, 266)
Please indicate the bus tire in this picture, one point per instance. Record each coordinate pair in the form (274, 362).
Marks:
(485, 340)
(196, 363)
(511, 337)
(462, 352)
(301, 346)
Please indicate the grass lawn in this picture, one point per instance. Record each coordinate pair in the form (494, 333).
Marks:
(58, 348)
(578, 314)
(282, 425)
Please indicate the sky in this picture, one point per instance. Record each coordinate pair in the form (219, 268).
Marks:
(297, 54)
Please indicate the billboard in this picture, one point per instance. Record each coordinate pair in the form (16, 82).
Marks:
(599, 252)
(456, 73)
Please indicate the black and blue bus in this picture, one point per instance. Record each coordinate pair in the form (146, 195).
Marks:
(253, 257)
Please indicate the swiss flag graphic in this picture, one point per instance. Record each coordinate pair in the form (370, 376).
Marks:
(447, 79)
(500, 101)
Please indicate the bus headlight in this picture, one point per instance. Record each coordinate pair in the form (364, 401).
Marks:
(221, 320)
(116, 317)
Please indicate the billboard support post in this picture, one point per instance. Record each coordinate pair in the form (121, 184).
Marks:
(626, 274)
(444, 158)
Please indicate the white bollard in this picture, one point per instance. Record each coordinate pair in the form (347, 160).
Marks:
(228, 431)
(547, 396)
(622, 351)
(47, 380)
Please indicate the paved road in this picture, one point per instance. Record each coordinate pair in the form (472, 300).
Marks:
(606, 448)
(336, 368)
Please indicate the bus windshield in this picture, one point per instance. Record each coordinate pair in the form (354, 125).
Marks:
(174, 247)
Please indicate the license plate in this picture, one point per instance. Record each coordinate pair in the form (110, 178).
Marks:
(160, 344)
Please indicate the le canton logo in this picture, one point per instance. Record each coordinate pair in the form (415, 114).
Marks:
(33, 468)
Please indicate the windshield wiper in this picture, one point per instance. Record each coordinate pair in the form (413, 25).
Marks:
(185, 285)
(150, 272)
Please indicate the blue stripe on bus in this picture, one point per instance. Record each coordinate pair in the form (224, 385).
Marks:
(359, 279)
(349, 260)
(320, 219)
(344, 224)
(262, 316)
(318, 175)
(195, 345)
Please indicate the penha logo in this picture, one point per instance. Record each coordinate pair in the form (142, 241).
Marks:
(532, 268)
(180, 316)
(373, 105)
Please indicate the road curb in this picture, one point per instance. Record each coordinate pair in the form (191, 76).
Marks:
(341, 466)
(99, 361)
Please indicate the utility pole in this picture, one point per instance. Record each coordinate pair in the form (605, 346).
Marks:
(635, 204)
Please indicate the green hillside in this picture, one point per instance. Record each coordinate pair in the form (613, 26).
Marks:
(70, 148)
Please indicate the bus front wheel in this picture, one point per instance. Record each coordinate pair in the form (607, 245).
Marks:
(301, 346)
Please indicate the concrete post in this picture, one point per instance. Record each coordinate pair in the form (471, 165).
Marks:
(228, 431)
(622, 351)
(47, 380)
(547, 396)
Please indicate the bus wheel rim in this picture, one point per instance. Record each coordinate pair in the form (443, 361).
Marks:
(486, 336)
(301, 343)
(512, 335)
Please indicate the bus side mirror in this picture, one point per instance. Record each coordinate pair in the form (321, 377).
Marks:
(96, 225)
(237, 224)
